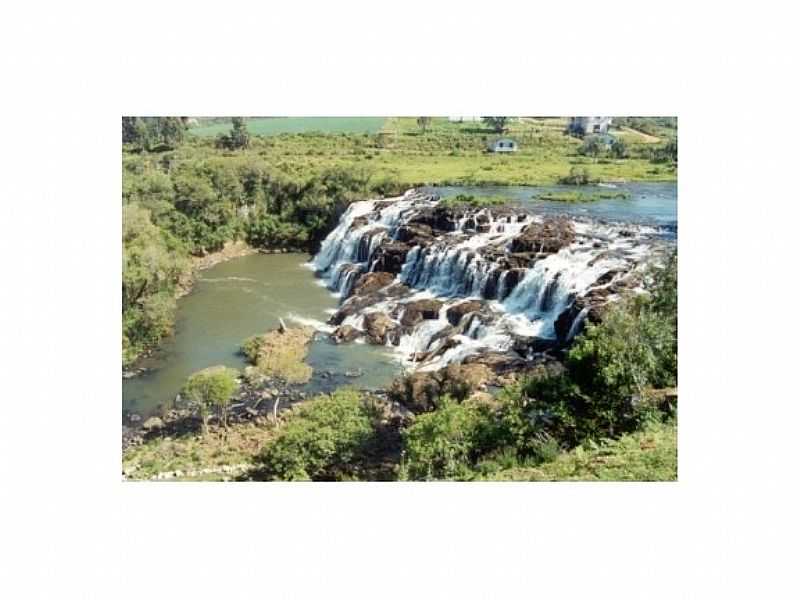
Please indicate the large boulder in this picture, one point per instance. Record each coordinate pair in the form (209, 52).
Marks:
(460, 381)
(419, 392)
(498, 362)
(378, 327)
(422, 391)
(415, 234)
(371, 282)
(419, 310)
(457, 311)
(547, 237)
(153, 424)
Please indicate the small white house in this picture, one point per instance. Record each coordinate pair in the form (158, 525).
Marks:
(503, 145)
(582, 126)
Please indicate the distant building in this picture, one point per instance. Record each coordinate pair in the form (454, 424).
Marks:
(503, 145)
(463, 119)
(582, 126)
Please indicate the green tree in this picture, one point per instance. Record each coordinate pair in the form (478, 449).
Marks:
(591, 147)
(498, 124)
(577, 176)
(238, 137)
(424, 122)
(153, 262)
(321, 440)
(212, 388)
(633, 348)
(619, 149)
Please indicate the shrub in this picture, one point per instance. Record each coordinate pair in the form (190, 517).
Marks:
(577, 176)
(474, 201)
(445, 443)
(619, 149)
(212, 387)
(280, 353)
(321, 440)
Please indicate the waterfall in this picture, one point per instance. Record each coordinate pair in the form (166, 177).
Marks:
(470, 260)
(577, 323)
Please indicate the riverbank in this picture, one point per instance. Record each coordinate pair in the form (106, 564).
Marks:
(231, 250)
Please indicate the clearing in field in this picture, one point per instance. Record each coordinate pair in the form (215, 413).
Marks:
(278, 125)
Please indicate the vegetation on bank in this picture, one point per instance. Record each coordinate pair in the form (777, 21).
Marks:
(280, 354)
(471, 201)
(323, 439)
(649, 454)
(579, 196)
(602, 417)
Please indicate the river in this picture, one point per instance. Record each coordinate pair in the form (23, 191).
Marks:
(246, 296)
(243, 297)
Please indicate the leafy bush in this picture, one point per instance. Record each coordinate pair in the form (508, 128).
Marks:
(321, 440)
(445, 443)
(619, 149)
(212, 388)
(577, 176)
(629, 351)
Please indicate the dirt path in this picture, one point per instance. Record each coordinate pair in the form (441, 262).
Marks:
(645, 137)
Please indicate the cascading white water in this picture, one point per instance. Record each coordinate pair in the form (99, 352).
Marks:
(454, 268)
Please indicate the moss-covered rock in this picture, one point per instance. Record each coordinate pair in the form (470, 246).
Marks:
(281, 354)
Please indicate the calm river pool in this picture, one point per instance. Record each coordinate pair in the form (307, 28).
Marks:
(243, 297)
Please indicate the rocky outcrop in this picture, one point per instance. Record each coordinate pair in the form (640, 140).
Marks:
(422, 391)
(345, 334)
(371, 282)
(456, 312)
(547, 237)
(419, 310)
(378, 327)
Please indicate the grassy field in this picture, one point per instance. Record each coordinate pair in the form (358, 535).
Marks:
(278, 125)
(447, 153)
